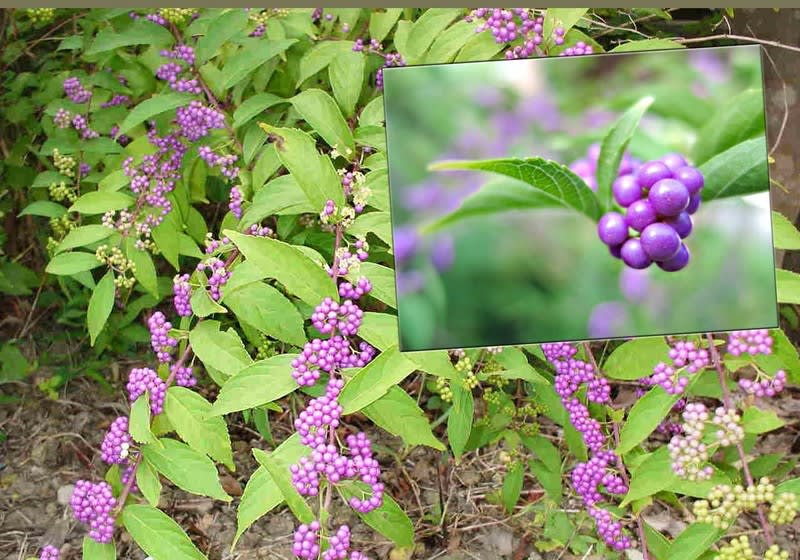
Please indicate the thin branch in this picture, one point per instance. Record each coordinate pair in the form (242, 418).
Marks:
(729, 36)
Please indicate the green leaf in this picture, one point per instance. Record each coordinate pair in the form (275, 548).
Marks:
(614, 145)
(261, 494)
(788, 286)
(221, 350)
(313, 171)
(148, 482)
(512, 486)
(190, 415)
(382, 280)
(636, 358)
(248, 60)
(374, 380)
(288, 265)
(281, 196)
(380, 330)
(203, 306)
(657, 543)
(694, 541)
(93, 550)
(100, 305)
(382, 22)
(100, 202)
(644, 417)
(152, 107)
(139, 422)
(158, 535)
(737, 171)
(268, 310)
(449, 42)
(652, 476)
(553, 180)
(319, 56)
(188, 469)
(757, 421)
(346, 74)
(481, 46)
(784, 234)
(425, 30)
(278, 469)
(320, 111)
(373, 113)
(495, 196)
(459, 423)
(544, 450)
(739, 118)
(43, 208)
(565, 18)
(145, 271)
(262, 382)
(254, 106)
(372, 135)
(792, 485)
(398, 413)
(378, 223)
(140, 32)
(83, 236)
(647, 45)
(222, 28)
(389, 519)
(67, 264)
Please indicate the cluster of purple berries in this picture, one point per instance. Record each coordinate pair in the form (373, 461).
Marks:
(390, 60)
(146, 380)
(75, 91)
(659, 198)
(751, 342)
(226, 163)
(49, 552)
(764, 387)
(181, 295)
(587, 478)
(115, 101)
(686, 358)
(81, 125)
(163, 344)
(116, 443)
(330, 316)
(235, 202)
(217, 279)
(92, 504)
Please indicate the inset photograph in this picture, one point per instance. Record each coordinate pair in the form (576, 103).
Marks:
(572, 198)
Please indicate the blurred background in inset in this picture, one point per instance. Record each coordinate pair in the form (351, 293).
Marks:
(543, 275)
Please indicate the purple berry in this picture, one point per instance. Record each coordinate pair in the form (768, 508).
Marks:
(626, 190)
(674, 161)
(594, 152)
(633, 254)
(682, 224)
(640, 214)
(660, 241)
(694, 203)
(615, 251)
(612, 229)
(652, 172)
(691, 178)
(669, 197)
(677, 262)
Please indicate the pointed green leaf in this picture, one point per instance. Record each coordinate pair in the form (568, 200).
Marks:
(152, 107)
(248, 59)
(320, 111)
(398, 413)
(738, 119)
(262, 382)
(459, 423)
(93, 550)
(268, 310)
(788, 286)
(188, 469)
(66, 264)
(221, 350)
(375, 379)
(785, 235)
(346, 73)
(139, 422)
(222, 28)
(190, 415)
(83, 236)
(389, 519)
(647, 45)
(158, 535)
(636, 358)
(644, 417)
(100, 202)
(737, 171)
(45, 208)
(100, 305)
(148, 482)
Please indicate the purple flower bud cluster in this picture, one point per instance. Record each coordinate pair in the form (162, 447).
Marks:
(235, 202)
(362, 288)
(509, 24)
(329, 316)
(141, 380)
(84, 169)
(75, 91)
(92, 504)
(688, 452)
(196, 120)
(171, 72)
(749, 342)
(226, 163)
(764, 387)
(115, 101)
(686, 358)
(184, 376)
(81, 125)
(587, 479)
(389, 60)
(49, 552)
(217, 279)
(659, 199)
(181, 295)
(163, 344)
(116, 443)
